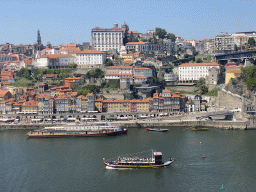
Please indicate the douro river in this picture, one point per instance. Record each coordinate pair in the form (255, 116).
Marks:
(75, 164)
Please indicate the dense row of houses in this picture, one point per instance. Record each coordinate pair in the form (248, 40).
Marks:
(60, 100)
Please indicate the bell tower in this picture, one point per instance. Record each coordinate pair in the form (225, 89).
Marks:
(38, 38)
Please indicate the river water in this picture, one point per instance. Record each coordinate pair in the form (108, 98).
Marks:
(75, 164)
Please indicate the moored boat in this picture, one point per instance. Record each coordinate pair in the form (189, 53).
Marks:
(199, 129)
(78, 131)
(157, 130)
(137, 162)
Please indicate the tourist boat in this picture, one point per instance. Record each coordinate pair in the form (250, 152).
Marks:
(137, 162)
(78, 131)
(157, 130)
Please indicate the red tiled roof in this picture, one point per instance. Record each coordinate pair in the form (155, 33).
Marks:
(199, 64)
(89, 52)
(236, 71)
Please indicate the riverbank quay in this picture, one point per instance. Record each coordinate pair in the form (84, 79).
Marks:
(232, 125)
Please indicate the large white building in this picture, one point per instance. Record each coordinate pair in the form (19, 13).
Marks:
(138, 46)
(107, 39)
(89, 57)
(194, 71)
(54, 61)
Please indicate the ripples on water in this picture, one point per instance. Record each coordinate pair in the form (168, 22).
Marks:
(75, 164)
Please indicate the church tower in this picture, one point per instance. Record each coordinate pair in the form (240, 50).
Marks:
(38, 38)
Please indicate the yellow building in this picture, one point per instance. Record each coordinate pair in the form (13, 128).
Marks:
(128, 58)
(142, 105)
(30, 107)
(119, 105)
(231, 73)
(98, 104)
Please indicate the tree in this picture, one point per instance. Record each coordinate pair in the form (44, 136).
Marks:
(200, 82)
(109, 63)
(161, 33)
(251, 41)
(171, 36)
(131, 37)
(135, 39)
(125, 40)
(203, 89)
(199, 60)
(249, 75)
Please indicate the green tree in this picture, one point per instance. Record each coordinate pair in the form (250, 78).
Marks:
(109, 63)
(131, 37)
(161, 33)
(135, 39)
(251, 41)
(203, 89)
(171, 36)
(200, 82)
(125, 40)
(199, 60)
(249, 76)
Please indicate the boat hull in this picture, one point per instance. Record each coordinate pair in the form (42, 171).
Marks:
(199, 129)
(61, 135)
(130, 166)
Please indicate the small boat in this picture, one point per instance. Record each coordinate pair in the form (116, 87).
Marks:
(137, 162)
(199, 129)
(222, 187)
(157, 130)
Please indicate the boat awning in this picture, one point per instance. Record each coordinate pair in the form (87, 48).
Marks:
(71, 119)
(36, 119)
(88, 118)
(48, 119)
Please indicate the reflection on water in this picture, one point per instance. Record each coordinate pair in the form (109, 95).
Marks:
(75, 164)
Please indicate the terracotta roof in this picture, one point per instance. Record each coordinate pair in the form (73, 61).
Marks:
(89, 52)
(140, 77)
(89, 94)
(166, 91)
(55, 56)
(236, 71)
(136, 43)
(240, 37)
(132, 32)
(120, 67)
(142, 68)
(50, 75)
(199, 64)
(97, 28)
(30, 103)
(69, 45)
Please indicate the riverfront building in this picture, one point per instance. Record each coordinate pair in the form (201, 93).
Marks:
(194, 71)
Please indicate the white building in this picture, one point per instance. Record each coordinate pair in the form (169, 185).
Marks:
(107, 39)
(138, 46)
(46, 51)
(170, 77)
(142, 72)
(194, 71)
(55, 61)
(89, 57)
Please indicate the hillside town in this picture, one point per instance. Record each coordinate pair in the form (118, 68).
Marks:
(122, 71)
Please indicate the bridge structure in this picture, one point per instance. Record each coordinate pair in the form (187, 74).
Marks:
(236, 55)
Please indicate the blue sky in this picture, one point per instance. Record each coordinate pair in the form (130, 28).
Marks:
(66, 21)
